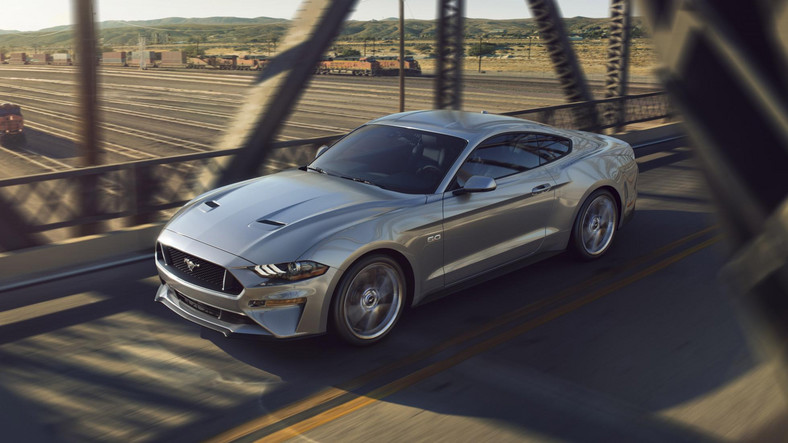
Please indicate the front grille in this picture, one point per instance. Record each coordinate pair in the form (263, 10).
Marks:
(221, 314)
(203, 273)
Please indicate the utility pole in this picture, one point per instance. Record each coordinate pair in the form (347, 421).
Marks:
(480, 54)
(365, 47)
(401, 55)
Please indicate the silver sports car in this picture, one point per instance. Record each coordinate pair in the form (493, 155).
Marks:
(398, 211)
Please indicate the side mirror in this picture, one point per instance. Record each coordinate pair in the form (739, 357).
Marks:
(477, 183)
(321, 150)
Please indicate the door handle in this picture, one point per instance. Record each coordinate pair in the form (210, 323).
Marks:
(541, 188)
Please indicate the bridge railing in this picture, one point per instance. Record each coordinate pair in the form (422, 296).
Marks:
(613, 112)
(133, 193)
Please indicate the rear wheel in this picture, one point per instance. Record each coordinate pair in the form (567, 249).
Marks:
(369, 300)
(595, 226)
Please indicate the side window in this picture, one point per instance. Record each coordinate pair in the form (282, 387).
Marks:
(550, 147)
(500, 156)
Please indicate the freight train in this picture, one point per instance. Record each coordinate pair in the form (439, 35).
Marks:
(228, 62)
(367, 66)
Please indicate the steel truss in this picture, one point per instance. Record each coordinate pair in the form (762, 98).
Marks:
(276, 91)
(618, 55)
(570, 74)
(725, 70)
(448, 75)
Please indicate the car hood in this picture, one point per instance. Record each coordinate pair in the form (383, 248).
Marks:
(275, 218)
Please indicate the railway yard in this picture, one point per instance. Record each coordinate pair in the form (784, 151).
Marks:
(158, 113)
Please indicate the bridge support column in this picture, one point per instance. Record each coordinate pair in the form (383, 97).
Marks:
(448, 72)
(88, 130)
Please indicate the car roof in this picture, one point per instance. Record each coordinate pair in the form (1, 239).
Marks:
(464, 124)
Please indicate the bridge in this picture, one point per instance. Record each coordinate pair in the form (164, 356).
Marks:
(645, 344)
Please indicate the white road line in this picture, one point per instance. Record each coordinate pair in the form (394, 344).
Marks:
(28, 159)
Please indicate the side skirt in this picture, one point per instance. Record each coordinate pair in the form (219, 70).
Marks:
(486, 276)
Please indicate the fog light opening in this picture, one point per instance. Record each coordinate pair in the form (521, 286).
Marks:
(276, 302)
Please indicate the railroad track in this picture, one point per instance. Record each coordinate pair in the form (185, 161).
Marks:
(181, 143)
(179, 114)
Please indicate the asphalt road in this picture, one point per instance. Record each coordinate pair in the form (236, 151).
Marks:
(155, 113)
(642, 345)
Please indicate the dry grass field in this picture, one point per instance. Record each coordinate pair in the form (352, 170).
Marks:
(514, 56)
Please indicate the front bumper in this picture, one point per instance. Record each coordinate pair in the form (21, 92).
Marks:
(231, 314)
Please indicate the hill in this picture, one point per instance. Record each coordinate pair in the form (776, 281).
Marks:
(262, 30)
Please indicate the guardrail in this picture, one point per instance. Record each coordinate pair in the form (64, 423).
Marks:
(129, 194)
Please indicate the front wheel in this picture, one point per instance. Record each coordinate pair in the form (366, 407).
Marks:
(595, 225)
(369, 300)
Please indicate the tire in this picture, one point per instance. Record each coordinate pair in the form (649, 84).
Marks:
(369, 300)
(595, 226)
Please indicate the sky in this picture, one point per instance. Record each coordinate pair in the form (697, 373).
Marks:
(32, 15)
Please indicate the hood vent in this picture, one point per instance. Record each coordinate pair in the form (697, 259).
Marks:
(209, 206)
(271, 222)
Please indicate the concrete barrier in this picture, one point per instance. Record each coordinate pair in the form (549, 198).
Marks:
(76, 255)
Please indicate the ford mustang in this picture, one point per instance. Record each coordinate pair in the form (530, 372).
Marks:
(405, 208)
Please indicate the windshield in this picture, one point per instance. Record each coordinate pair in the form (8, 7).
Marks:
(399, 159)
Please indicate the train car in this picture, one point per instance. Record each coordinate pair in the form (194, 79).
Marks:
(390, 66)
(198, 63)
(17, 58)
(39, 59)
(247, 64)
(225, 61)
(114, 59)
(61, 59)
(349, 67)
(173, 59)
(12, 125)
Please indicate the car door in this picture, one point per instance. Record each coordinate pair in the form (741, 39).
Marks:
(484, 230)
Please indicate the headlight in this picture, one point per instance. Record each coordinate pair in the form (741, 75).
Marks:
(293, 271)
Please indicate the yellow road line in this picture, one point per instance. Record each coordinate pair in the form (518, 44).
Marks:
(435, 368)
(332, 393)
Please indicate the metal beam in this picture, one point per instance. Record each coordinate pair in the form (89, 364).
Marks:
(724, 66)
(401, 55)
(618, 56)
(450, 49)
(88, 103)
(279, 86)
(14, 232)
(570, 74)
